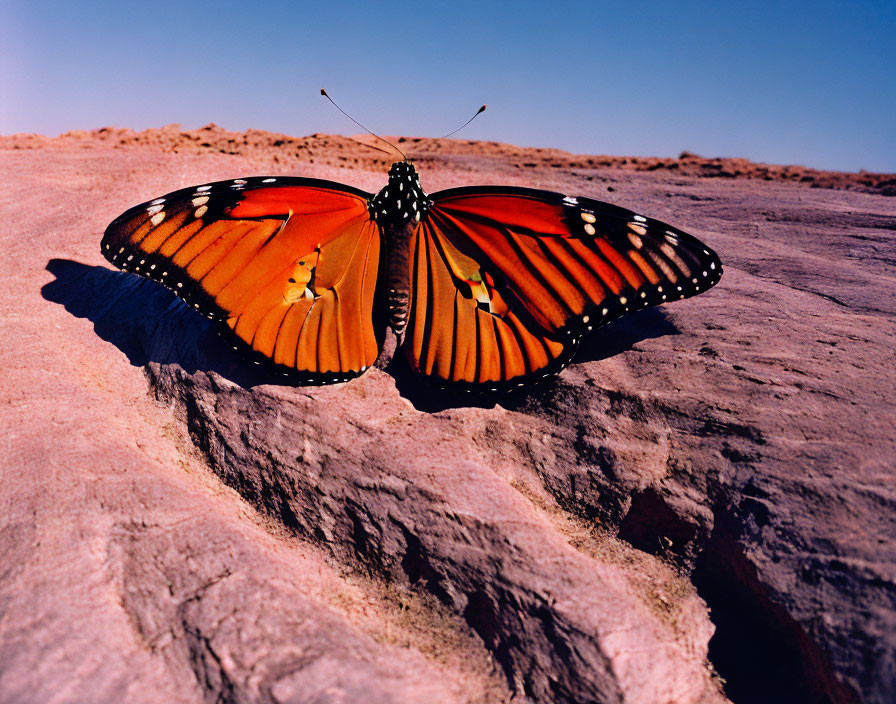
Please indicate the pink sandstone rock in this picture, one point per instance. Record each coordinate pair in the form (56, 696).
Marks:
(708, 485)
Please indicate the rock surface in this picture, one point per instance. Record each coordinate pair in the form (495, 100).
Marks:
(709, 486)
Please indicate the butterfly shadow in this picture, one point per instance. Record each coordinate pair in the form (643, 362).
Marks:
(624, 333)
(145, 321)
(148, 323)
(618, 336)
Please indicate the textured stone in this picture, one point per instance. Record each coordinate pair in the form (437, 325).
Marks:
(742, 438)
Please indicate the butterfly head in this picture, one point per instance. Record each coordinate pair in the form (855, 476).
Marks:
(402, 200)
(403, 170)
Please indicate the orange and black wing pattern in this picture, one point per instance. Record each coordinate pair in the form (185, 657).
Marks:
(288, 266)
(505, 281)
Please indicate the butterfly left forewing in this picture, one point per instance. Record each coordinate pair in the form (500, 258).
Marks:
(289, 267)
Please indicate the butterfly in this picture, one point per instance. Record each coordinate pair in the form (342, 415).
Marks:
(486, 287)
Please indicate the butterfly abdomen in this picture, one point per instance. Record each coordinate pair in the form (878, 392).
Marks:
(397, 278)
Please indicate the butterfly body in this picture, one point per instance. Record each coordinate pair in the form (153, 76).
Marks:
(397, 208)
(487, 287)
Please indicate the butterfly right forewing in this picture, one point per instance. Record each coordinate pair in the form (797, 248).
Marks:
(506, 281)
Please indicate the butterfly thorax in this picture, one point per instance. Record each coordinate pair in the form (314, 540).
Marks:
(397, 209)
(402, 200)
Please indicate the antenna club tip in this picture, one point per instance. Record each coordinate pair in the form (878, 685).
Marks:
(323, 92)
(481, 109)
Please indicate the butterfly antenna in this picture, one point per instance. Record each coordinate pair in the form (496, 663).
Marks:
(324, 93)
(480, 110)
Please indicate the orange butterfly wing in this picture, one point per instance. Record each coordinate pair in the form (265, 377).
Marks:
(505, 281)
(288, 265)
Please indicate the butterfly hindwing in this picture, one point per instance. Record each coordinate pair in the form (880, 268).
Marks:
(289, 267)
(465, 325)
(505, 281)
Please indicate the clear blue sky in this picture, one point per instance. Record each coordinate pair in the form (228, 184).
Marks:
(810, 83)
